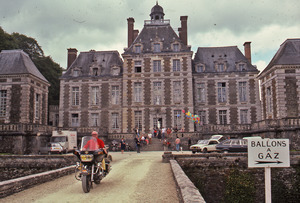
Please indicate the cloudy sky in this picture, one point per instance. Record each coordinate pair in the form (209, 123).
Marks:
(102, 24)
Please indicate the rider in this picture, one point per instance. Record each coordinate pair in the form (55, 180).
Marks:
(95, 144)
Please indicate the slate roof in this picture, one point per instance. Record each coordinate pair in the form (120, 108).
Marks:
(231, 54)
(102, 59)
(287, 54)
(162, 31)
(18, 62)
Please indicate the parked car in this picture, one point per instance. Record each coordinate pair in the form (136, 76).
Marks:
(220, 138)
(233, 145)
(197, 147)
(210, 146)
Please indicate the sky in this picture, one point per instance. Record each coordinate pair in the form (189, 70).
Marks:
(101, 25)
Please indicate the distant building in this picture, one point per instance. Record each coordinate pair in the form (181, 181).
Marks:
(226, 88)
(280, 92)
(23, 90)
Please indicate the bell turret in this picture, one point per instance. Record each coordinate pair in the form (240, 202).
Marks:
(157, 12)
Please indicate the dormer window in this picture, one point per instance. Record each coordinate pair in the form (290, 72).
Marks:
(156, 47)
(175, 47)
(137, 66)
(95, 72)
(115, 70)
(220, 67)
(138, 49)
(241, 67)
(76, 72)
(199, 68)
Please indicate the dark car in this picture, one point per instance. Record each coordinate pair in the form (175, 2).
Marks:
(233, 145)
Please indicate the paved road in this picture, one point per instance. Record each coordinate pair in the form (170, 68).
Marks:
(134, 178)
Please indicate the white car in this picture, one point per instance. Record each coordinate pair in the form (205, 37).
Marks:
(197, 147)
(212, 143)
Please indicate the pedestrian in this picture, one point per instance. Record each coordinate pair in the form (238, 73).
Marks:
(122, 145)
(169, 131)
(150, 137)
(159, 134)
(165, 143)
(138, 146)
(163, 132)
(189, 142)
(177, 143)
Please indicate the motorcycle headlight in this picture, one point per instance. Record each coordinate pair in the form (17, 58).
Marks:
(86, 157)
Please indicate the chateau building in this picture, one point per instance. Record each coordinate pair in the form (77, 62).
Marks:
(280, 84)
(23, 90)
(157, 82)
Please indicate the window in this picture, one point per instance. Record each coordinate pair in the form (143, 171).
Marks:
(138, 49)
(201, 92)
(157, 66)
(223, 117)
(175, 47)
(243, 91)
(157, 99)
(37, 106)
(3, 102)
(95, 71)
(244, 116)
(156, 47)
(220, 67)
(138, 120)
(138, 66)
(95, 119)
(75, 120)
(115, 92)
(138, 92)
(269, 100)
(75, 96)
(177, 118)
(222, 92)
(176, 65)
(202, 116)
(199, 68)
(115, 121)
(242, 67)
(177, 91)
(95, 96)
(75, 73)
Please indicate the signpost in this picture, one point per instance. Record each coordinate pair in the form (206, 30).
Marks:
(267, 153)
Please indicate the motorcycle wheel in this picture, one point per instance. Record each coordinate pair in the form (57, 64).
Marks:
(86, 183)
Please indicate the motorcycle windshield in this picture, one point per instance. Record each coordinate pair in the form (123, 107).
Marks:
(89, 143)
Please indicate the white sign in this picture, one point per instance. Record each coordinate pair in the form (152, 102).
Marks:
(268, 153)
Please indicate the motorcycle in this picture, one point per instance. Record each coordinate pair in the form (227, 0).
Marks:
(93, 164)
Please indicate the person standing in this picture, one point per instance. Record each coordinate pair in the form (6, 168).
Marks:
(138, 145)
(177, 143)
(150, 137)
(122, 145)
(169, 131)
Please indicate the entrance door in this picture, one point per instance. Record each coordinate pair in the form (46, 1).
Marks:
(157, 123)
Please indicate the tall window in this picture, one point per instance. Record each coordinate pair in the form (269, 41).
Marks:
(95, 119)
(202, 116)
(269, 100)
(177, 118)
(177, 91)
(37, 106)
(3, 102)
(75, 96)
(157, 94)
(75, 120)
(222, 92)
(138, 66)
(176, 65)
(138, 120)
(115, 92)
(156, 47)
(244, 116)
(95, 95)
(138, 92)
(175, 47)
(243, 91)
(137, 49)
(157, 66)
(201, 92)
(115, 121)
(223, 117)
(220, 67)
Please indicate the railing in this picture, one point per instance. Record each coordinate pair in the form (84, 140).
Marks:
(156, 22)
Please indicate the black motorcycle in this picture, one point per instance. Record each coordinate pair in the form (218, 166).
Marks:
(93, 164)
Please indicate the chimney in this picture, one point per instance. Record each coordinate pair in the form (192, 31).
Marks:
(247, 48)
(183, 29)
(130, 22)
(72, 55)
(135, 34)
